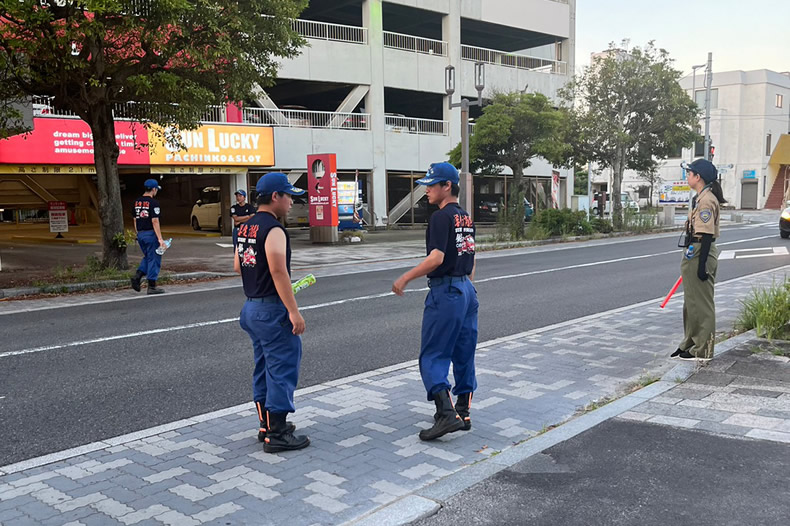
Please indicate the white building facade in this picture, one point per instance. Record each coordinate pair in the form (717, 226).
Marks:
(370, 86)
(750, 111)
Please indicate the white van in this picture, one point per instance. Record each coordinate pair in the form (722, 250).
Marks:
(206, 213)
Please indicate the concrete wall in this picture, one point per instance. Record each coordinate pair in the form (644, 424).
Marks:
(409, 152)
(544, 16)
(293, 145)
(328, 61)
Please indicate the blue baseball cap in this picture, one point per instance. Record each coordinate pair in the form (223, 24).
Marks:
(241, 193)
(704, 169)
(440, 172)
(150, 184)
(276, 182)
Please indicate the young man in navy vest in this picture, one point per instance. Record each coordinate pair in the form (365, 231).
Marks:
(149, 237)
(449, 323)
(270, 315)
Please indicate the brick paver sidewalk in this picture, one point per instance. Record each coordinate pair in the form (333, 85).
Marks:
(365, 452)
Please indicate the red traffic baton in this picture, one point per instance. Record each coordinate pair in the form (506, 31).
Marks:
(672, 291)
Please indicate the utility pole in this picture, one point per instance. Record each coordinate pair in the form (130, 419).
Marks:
(708, 83)
(694, 94)
(467, 188)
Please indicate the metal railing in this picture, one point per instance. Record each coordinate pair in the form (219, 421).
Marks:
(307, 119)
(327, 31)
(414, 44)
(514, 60)
(42, 107)
(398, 124)
(215, 114)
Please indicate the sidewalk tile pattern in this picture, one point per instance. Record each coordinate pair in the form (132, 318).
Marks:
(365, 452)
(744, 393)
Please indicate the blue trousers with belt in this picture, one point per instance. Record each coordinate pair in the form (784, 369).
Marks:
(151, 262)
(449, 335)
(277, 351)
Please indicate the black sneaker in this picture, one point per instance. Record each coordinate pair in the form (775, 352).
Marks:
(677, 353)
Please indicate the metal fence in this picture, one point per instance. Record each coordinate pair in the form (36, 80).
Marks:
(400, 124)
(307, 119)
(327, 31)
(513, 60)
(414, 44)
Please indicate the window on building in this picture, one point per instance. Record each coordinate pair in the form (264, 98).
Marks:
(699, 98)
(779, 100)
(768, 144)
(644, 192)
(699, 149)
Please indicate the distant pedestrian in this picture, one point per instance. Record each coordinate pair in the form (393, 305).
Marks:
(149, 237)
(700, 262)
(241, 212)
(270, 315)
(449, 323)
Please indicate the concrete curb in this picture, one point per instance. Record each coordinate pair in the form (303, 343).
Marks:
(40, 240)
(429, 500)
(109, 284)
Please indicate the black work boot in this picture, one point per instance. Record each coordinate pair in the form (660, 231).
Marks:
(153, 289)
(462, 406)
(278, 438)
(136, 280)
(264, 426)
(448, 420)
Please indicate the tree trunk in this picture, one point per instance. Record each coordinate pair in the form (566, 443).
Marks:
(618, 167)
(106, 153)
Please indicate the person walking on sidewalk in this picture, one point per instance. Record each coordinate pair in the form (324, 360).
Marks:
(149, 237)
(449, 323)
(270, 315)
(700, 262)
(241, 212)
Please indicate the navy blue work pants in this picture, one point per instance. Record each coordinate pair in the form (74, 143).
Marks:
(278, 354)
(151, 262)
(449, 335)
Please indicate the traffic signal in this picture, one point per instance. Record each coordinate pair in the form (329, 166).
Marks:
(711, 152)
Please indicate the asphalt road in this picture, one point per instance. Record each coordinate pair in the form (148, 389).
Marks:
(180, 355)
(624, 473)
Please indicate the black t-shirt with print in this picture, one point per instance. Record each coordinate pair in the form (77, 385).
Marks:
(452, 231)
(242, 210)
(255, 274)
(145, 209)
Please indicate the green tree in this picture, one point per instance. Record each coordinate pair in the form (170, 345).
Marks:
(514, 129)
(171, 58)
(629, 113)
(580, 181)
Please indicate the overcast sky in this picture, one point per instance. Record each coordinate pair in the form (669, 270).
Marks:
(746, 35)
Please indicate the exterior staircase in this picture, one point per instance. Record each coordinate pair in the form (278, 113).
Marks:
(775, 199)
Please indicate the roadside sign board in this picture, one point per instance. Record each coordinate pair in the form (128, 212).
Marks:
(58, 216)
(674, 193)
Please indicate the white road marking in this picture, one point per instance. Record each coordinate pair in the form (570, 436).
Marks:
(330, 304)
(59, 303)
(748, 253)
(224, 245)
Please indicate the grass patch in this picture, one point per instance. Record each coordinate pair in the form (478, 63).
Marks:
(767, 310)
(91, 271)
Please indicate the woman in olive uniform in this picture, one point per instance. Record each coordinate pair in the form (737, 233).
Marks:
(699, 263)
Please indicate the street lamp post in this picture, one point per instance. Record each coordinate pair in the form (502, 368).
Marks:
(694, 93)
(449, 87)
